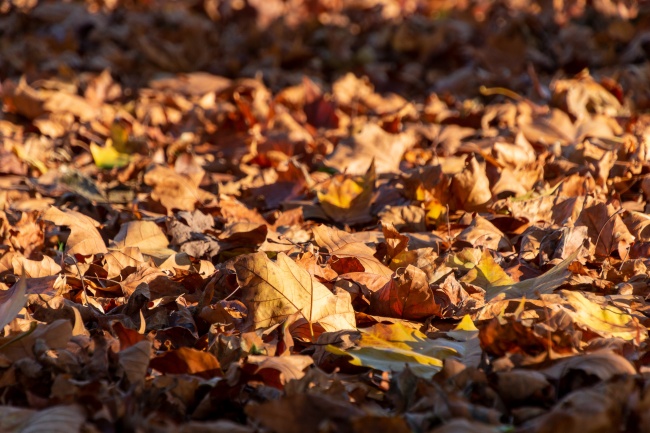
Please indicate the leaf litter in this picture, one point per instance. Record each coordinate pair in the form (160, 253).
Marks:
(324, 216)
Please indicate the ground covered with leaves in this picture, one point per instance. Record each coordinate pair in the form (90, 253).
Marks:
(324, 216)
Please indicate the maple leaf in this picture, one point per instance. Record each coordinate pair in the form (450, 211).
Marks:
(273, 291)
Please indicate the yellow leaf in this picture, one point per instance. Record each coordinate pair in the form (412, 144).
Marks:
(545, 283)
(390, 347)
(606, 321)
(273, 291)
(483, 270)
(347, 198)
(435, 211)
(108, 156)
(466, 324)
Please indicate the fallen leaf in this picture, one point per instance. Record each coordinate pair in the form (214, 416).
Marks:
(347, 198)
(371, 143)
(406, 296)
(347, 252)
(483, 270)
(603, 320)
(392, 347)
(55, 419)
(12, 301)
(144, 235)
(273, 291)
(183, 360)
(470, 188)
(84, 238)
(543, 284)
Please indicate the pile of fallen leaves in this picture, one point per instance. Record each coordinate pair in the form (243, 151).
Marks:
(324, 216)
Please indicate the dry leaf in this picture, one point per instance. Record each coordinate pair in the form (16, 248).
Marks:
(84, 238)
(273, 291)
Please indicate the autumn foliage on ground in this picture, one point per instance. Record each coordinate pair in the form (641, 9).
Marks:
(324, 216)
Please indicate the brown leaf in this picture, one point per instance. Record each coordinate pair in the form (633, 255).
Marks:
(84, 238)
(55, 335)
(186, 361)
(55, 419)
(302, 413)
(406, 296)
(482, 232)
(346, 252)
(144, 235)
(273, 291)
(173, 190)
(353, 155)
(12, 301)
(470, 188)
(134, 361)
(606, 230)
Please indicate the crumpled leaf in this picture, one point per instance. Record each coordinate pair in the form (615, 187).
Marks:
(348, 253)
(406, 296)
(55, 335)
(470, 189)
(482, 232)
(606, 230)
(583, 96)
(273, 291)
(173, 190)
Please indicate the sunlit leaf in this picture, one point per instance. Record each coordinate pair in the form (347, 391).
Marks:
(108, 156)
(273, 291)
(392, 347)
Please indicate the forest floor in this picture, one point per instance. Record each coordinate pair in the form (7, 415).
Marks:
(322, 216)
